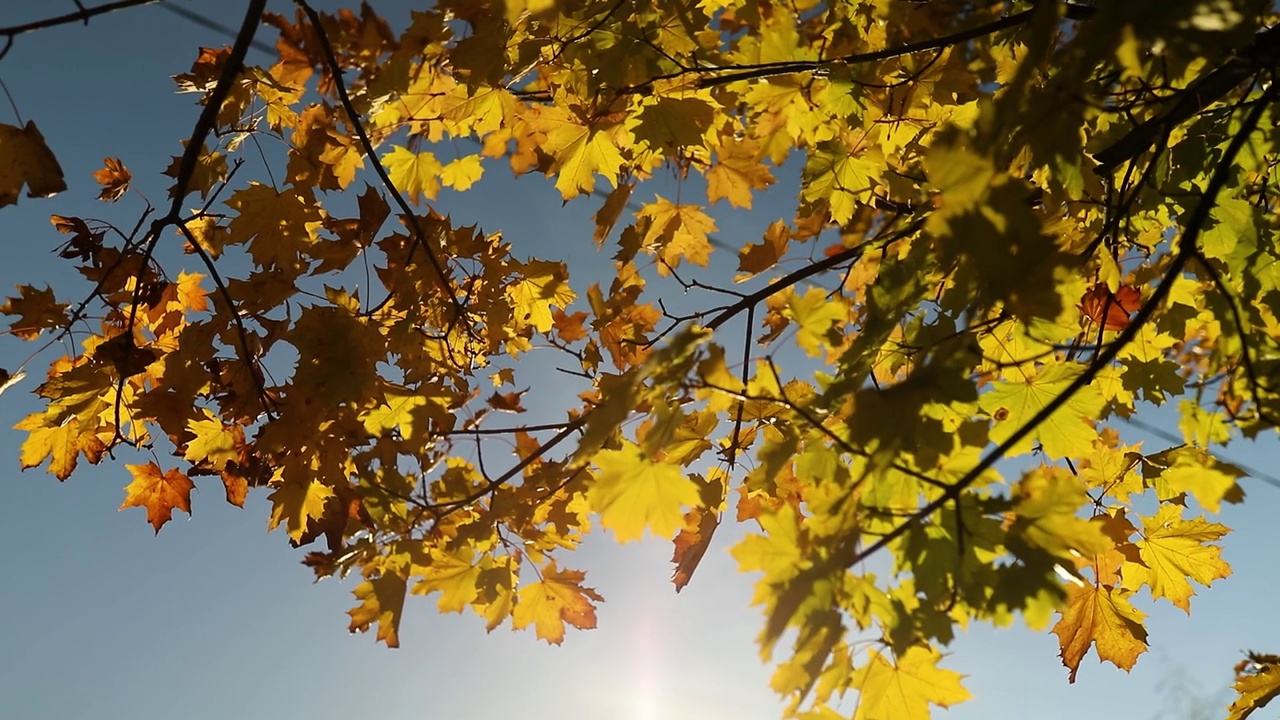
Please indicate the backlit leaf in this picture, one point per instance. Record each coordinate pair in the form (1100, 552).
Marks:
(633, 493)
(160, 492)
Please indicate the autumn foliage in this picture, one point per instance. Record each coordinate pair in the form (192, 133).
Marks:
(1016, 224)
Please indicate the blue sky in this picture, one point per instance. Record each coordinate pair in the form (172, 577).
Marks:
(216, 618)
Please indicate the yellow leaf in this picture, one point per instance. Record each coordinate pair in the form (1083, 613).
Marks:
(816, 315)
(631, 493)
(1049, 500)
(414, 174)
(737, 171)
(381, 601)
(36, 310)
(1066, 433)
(963, 177)
(1101, 616)
(296, 503)
(556, 599)
(461, 173)
(840, 177)
(1176, 550)
(1256, 690)
(776, 553)
(214, 443)
(540, 285)
(676, 233)
(190, 295)
(755, 259)
(454, 576)
(395, 413)
(62, 444)
(903, 690)
(579, 151)
(25, 159)
(160, 493)
(281, 224)
(1193, 470)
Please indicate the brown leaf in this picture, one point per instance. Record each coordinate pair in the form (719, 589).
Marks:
(36, 311)
(507, 402)
(114, 178)
(692, 543)
(84, 243)
(125, 356)
(25, 159)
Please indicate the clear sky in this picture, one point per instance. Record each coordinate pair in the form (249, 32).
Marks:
(216, 618)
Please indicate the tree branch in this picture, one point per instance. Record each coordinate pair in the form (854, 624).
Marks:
(1206, 90)
(81, 15)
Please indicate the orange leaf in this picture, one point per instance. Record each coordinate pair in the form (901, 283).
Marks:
(114, 179)
(1101, 616)
(158, 492)
(691, 544)
(569, 327)
(1100, 301)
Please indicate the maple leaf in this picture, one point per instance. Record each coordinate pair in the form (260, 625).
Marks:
(25, 159)
(632, 492)
(114, 178)
(754, 259)
(395, 413)
(840, 177)
(36, 311)
(62, 443)
(607, 216)
(280, 225)
(556, 599)
(777, 552)
(736, 172)
(382, 603)
(677, 233)
(1175, 551)
(667, 123)
(211, 169)
(541, 285)
(1116, 306)
(462, 173)
(159, 492)
(580, 151)
(1102, 617)
(1193, 471)
(416, 174)
(1066, 433)
(817, 316)
(906, 687)
(454, 575)
(1048, 501)
(296, 503)
(1255, 690)
(215, 443)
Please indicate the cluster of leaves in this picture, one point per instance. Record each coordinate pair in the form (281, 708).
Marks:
(1046, 215)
